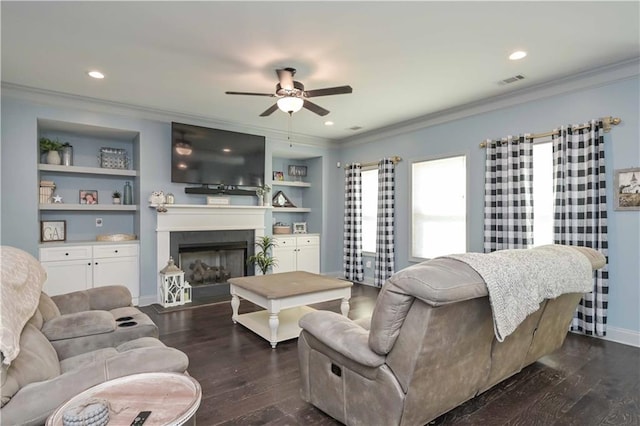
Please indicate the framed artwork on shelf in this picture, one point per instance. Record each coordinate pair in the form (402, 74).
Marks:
(298, 172)
(300, 227)
(278, 176)
(88, 196)
(53, 230)
(627, 189)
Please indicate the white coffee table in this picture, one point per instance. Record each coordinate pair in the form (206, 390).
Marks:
(285, 297)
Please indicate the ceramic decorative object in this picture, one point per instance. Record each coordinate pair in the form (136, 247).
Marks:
(53, 157)
(157, 197)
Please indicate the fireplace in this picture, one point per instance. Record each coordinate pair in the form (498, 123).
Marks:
(210, 258)
(213, 263)
(208, 228)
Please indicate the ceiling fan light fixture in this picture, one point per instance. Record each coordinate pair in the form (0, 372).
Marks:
(184, 148)
(290, 104)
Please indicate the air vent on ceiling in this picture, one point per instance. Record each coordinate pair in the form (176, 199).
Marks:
(511, 79)
(355, 128)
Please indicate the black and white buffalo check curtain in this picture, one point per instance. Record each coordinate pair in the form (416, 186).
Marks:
(508, 194)
(352, 257)
(580, 212)
(385, 253)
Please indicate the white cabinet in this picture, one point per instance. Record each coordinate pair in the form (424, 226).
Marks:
(297, 253)
(79, 267)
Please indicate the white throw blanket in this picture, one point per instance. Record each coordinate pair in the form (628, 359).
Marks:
(21, 280)
(519, 280)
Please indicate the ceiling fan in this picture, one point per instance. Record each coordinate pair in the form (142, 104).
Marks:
(292, 96)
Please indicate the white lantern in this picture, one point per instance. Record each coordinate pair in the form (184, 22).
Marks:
(175, 290)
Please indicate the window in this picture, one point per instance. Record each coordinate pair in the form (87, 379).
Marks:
(369, 209)
(542, 194)
(438, 207)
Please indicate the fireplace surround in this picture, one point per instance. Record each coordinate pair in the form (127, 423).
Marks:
(230, 224)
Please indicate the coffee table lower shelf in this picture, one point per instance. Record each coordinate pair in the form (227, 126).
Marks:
(287, 328)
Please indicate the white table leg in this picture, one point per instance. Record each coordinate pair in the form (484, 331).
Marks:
(344, 306)
(235, 304)
(274, 322)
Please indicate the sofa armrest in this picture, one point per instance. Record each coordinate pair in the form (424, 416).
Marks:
(80, 324)
(342, 335)
(99, 298)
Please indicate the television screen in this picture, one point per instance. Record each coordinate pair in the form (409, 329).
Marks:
(205, 156)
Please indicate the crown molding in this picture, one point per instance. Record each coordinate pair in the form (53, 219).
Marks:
(589, 79)
(85, 103)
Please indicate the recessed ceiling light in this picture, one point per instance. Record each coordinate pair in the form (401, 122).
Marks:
(518, 54)
(95, 74)
(328, 123)
(226, 149)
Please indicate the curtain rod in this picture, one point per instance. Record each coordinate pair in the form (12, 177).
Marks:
(395, 160)
(606, 121)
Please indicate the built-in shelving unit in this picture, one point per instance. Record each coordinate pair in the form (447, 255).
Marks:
(85, 221)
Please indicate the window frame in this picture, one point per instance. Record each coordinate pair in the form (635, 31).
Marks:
(362, 170)
(466, 155)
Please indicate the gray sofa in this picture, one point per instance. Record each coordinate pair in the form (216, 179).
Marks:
(35, 378)
(430, 345)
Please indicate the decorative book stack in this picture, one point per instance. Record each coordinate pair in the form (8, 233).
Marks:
(46, 191)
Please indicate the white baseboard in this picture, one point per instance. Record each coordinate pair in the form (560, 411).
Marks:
(622, 335)
(147, 300)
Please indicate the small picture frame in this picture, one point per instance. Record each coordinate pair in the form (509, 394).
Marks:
(53, 230)
(626, 189)
(300, 227)
(279, 176)
(88, 196)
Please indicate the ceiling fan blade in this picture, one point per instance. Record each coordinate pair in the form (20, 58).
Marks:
(339, 90)
(250, 93)
(315, 108)
(270, 110)
(286, 77)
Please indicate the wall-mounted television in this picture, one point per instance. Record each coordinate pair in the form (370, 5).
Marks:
(213, 157)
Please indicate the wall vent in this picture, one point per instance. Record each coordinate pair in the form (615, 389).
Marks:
(511, 79)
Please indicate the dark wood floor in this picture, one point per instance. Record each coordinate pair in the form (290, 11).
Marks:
(244, 382)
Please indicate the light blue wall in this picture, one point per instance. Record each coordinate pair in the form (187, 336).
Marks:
(620, 99)
(19, 178)
(18, 206)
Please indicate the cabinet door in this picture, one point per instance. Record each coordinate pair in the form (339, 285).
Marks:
(309, 259)
(118, 271)
(67, 276)
(285, 254)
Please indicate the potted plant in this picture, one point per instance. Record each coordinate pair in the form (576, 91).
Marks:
(263, 258)
(262, 192)
(52, 149)
(116, 197)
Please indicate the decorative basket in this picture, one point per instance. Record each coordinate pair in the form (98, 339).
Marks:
(281, 229)
(116, 237)
(113, 158)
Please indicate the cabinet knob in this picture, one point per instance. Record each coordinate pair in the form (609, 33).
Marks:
(96, 263)
(116, 251)
(89, 263)
(66, 254)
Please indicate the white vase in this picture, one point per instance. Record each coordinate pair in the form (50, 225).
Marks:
(260, 200)
(116, 201)
(53, 157)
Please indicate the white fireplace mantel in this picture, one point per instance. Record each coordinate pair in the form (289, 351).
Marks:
(201, 217)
